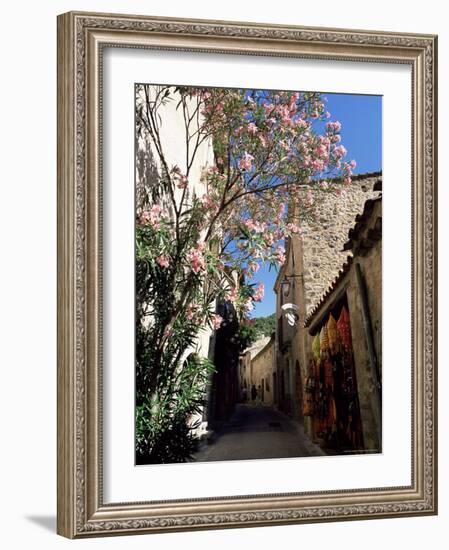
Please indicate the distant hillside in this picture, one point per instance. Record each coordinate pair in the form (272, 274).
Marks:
(251, 330)
(265, 326)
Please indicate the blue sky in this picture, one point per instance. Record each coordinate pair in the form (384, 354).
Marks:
(361, 133)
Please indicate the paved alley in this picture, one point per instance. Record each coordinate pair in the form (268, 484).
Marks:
(255, 431)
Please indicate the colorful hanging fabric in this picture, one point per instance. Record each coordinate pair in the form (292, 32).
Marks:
(309, 404)
(332, 334)
(328, 370)
(344, 328)
(324, 340)
(316, 347)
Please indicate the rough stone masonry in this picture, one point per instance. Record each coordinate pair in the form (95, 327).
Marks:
(324, 237)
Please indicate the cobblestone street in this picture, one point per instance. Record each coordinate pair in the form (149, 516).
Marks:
(256, 431)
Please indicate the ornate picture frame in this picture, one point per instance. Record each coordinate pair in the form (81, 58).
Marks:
(82, 511)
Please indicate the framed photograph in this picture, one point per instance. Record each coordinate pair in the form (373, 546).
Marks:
(246, 274)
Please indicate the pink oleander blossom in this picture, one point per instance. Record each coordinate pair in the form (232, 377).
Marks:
(152, 216)
(284, 112)
(231, 295)
(217, 321)
(246, 162)
(191, 311)
(293, 228)
(321, 151)
(252, 128)
(280, 255)
(263, 140)
(196, 259)
(208, 202)
(144, 217)
(182, 181)
(259, 293)
(268, 108)
(301, 123)
(256, 226)
(268, 238)
(155, 214)
(163, 260)
(333, 126)
(318, 165)
(340, 151)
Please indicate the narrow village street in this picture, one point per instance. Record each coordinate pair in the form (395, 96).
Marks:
(258, 326)
(256, 431)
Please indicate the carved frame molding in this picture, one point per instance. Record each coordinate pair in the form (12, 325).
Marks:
(81, 37)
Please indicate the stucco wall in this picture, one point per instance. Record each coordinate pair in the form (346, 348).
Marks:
(173, 143)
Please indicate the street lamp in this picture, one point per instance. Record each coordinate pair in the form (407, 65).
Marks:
(289, 311)
(286, 284)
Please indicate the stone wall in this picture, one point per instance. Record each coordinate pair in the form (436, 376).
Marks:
(262, 367)
(367, 260)
(324, 237)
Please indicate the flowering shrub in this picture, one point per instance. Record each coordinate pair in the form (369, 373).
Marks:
(271, 165)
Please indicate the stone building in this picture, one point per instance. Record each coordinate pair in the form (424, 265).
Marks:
(324, 237)
(313, 262)
(357, 294)
(263, 374)
(245, 374)
(288, 379)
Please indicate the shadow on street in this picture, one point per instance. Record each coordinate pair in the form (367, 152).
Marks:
(256, 432)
